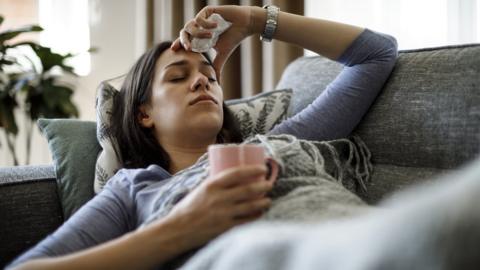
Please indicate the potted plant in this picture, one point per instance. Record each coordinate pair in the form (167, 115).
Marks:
(29, 83)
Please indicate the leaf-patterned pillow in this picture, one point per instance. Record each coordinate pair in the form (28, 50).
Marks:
(107, 162)
(256, 115)
(260, 113)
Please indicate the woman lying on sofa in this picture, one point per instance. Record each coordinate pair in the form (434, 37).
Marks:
(162, 135)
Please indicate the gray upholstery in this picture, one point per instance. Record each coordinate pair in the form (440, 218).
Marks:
(427, 116)
(29, 208)
(389, 178)
(18, 174)
(425, 122)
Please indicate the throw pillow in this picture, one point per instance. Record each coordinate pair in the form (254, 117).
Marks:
(257, 115)
(260, 113)
(74, 150)
(107, 163)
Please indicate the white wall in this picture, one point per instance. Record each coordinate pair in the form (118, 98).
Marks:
(113, 32)
(115, 29)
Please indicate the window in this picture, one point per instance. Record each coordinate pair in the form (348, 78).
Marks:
(415, 24)
(66, 30)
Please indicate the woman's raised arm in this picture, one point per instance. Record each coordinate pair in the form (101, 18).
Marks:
(368, 56)
(326, 38)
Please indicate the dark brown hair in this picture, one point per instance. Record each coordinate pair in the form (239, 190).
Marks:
(137, 145)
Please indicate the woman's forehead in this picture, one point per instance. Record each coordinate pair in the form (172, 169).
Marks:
(169, 57)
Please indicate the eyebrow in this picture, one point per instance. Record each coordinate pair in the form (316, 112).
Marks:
(185, 62)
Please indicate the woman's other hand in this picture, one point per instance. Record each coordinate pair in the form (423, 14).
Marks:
(232, 197)
(244, 23)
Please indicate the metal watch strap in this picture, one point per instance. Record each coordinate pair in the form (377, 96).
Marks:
(271, 23)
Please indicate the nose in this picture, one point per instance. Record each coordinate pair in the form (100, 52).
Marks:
(200, 82)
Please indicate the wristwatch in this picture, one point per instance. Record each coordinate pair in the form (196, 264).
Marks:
(271, 23)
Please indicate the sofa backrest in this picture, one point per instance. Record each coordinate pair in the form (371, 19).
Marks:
(427, 115)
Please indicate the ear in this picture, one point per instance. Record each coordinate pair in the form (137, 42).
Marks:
(144, 117)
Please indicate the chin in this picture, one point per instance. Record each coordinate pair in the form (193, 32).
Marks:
(207, 123)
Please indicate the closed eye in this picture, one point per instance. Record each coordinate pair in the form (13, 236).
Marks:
(177, 79)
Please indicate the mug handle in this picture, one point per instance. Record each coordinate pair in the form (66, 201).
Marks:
(272, 166)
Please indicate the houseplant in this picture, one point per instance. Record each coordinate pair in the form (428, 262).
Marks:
(30, 85)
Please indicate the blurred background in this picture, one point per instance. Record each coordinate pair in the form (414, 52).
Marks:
(121, 30)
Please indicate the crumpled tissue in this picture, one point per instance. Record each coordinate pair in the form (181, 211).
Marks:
(202, 45)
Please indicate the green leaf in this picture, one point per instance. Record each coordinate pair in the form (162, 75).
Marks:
(69, 109)
(50, 100)
(7, 118)
(1, 19)
(48, 95)
(9, 34)
(50, 59)
(93, 50)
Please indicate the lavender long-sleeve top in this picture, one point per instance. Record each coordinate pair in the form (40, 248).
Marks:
(122, 205)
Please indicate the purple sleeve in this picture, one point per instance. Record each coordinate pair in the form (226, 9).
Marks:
(108, 215)
(335, 113)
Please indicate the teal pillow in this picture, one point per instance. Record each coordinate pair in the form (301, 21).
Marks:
(74, 150)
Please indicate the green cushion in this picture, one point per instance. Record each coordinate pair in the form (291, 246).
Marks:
(74, 150)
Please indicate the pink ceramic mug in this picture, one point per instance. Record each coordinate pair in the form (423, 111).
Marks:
(223, 156)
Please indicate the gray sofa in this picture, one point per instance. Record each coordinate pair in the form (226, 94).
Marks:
(425, 122)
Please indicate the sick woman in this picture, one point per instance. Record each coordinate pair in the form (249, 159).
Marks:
(171, 108)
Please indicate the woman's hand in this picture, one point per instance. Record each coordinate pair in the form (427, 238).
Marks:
(243, 22)
(232, 197)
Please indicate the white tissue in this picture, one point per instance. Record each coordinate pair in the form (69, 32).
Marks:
(202, 45)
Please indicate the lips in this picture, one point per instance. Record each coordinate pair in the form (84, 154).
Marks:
(202, 97)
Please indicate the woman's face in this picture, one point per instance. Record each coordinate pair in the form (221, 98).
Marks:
(186, 101)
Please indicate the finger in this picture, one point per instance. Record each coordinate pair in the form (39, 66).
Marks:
(176, 45)
(185, 39)
(251, 207)
(189, 26)
(203, 15)
(205, 23)
(235, 176)
(248, 192)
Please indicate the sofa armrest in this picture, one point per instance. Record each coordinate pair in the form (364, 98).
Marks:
(29, 208)
(17, 174)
